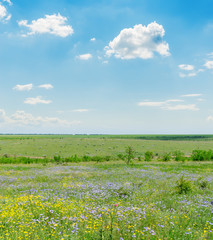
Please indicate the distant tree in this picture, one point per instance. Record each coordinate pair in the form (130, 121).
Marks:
(130, 154)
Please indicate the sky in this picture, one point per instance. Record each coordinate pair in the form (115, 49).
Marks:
(106, 66)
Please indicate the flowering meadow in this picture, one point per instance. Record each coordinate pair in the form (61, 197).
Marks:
(106, 201)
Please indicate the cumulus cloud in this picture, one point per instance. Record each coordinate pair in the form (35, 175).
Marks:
(36, 100)
(192, 95)
(93, 39)
(4, 15)
(52, 24)
(86, 56)
(23, 118)
(26, 87)
(186, 67)
(139, 42)
(209, 64)
(46, 86)
(169, 105)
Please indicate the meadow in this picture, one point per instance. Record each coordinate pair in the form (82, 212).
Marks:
(99, 145)
(105, 200)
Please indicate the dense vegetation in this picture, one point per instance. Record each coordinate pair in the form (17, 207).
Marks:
(93, 188)
(107, 201)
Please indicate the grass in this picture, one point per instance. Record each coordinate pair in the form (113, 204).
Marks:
(107, 200)
(101, 145)
(104, 200)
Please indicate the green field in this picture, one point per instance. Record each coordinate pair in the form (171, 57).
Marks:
(106, 201)
(109, 200)
(101, 145)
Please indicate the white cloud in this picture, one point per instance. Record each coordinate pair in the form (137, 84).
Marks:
(8, 1)
(4, 16)
(23, 118)
(26, 87)
(209, 118)
(81, 110)
(192, 95)
(151, 104)
(46, 86)
(86, 56)
(174, 100)
(201, 100)
(93, 39)
(191, 107)
(210, 54)
(139, 42)
(168, 105)
(36, 100)
(186, 67)
(52, 24)
(183, 75)
(209, 64)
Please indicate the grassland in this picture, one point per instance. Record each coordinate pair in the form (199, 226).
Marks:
(101, 145)
(108, 200)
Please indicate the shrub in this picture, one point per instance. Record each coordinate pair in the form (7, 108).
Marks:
(201, 155)
(121, 156)
(148, 156)
(107, 158)
(202, 183)
(179, 156)
(57, 158)
(166, 157)
(97, 159)
(183, 186)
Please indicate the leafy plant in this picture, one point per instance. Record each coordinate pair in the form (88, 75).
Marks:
(179, 156)
(183, 186)
(130, 154)
(148, 156)
(202, 183)
(201, 155)
(166, 157)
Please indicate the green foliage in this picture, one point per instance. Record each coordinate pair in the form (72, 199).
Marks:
(95, 201)
(203, 184)
(179, 156)
(201, 155)
(166, 157)
(57, 158)
(130, 154)
(183, 186)
(148, 156)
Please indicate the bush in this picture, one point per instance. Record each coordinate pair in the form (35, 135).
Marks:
(201, 155)
(179, 156)
(202, 183)
(166, 157)
(183, 186)
(148, 156)
(57, 158)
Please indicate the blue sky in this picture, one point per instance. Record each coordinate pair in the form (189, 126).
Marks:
(121, 66)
